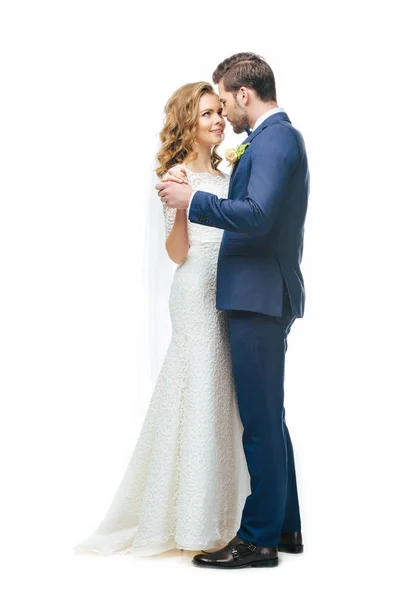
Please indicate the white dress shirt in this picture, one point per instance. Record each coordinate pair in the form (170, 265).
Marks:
(260, 120)
(269, 113)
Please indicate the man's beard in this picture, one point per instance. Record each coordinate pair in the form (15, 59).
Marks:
(239, 120)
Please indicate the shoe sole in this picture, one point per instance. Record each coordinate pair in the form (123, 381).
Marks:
(291, 548)
(273, 562)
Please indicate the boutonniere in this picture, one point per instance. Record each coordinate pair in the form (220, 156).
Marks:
(233, 155)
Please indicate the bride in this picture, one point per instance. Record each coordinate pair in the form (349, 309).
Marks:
(187, 479)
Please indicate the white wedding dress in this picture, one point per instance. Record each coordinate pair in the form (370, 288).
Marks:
(187, 480)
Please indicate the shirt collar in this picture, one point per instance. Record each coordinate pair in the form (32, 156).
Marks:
(269, 113)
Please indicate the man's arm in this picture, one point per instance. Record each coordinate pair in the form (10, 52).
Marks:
(274, 159)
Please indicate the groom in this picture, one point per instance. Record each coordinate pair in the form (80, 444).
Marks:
(260, 285)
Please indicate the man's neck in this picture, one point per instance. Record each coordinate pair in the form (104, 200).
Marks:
(260, 109)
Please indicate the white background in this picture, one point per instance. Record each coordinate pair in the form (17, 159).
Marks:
(83, 90)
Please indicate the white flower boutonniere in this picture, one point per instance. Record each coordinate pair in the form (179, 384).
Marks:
(233, 155)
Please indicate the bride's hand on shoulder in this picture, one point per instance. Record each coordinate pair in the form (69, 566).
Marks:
(176, 174)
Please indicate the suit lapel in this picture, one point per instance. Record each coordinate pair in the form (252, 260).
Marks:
(281, 116)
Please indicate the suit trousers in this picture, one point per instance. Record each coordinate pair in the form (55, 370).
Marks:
(258, 346)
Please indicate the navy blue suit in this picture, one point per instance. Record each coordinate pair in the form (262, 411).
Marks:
(260, 285)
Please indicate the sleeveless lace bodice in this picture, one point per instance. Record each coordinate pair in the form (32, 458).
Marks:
(206, 182)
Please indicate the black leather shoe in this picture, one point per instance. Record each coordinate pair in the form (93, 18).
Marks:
(237, 555)
(291, 542)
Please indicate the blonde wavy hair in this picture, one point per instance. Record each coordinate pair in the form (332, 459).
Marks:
(178, 135)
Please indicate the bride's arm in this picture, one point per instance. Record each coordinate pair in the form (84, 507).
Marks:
(176, 222)
(177, 242)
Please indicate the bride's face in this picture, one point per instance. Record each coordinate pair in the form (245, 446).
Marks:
(210, 124)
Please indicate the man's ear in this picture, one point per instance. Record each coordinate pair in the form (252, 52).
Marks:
(243, 96)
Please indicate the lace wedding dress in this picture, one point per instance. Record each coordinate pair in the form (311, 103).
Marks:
(187, 480)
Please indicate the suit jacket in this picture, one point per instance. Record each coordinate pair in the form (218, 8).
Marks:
(263, 218)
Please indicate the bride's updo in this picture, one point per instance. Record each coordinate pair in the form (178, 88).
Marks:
(178, 136)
